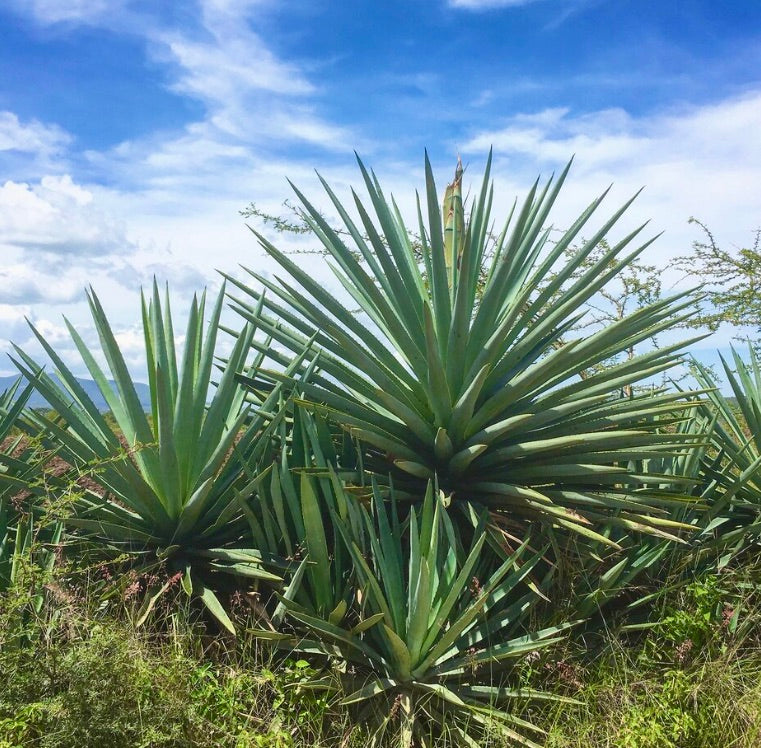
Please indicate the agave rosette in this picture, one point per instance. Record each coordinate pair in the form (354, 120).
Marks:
(734, 473)
(25, 541)
(168, 486)
(459, 367)
(434, 626)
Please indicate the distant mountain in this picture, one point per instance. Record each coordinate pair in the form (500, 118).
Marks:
(37, 401)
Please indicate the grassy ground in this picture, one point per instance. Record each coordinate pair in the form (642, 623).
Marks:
(78, 673)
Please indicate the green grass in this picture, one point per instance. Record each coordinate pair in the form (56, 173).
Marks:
(85, 676)
(692, 680)
(712, 702)
(100, 683)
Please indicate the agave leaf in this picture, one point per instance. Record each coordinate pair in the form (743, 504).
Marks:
(211, 601)
(373, 688)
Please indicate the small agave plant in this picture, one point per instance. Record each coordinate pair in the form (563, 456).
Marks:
(458, 369)
(605, 576)
(291, 519)
(433, 629)
(169, 486)
(24, 539)
(734, 522)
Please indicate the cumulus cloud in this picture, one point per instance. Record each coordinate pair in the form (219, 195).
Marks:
(22, 284)
(183, 279)
(57, 237)
(604, 138)
(14, 322)
(693, 161)
(30, 137)
(13, 318)
(31, 148)
(57, 217)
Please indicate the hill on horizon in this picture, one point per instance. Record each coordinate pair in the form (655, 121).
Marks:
(90, 387)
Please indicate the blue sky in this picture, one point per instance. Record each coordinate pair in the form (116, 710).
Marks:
(131, 133)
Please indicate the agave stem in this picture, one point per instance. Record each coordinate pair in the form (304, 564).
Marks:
(454, 219)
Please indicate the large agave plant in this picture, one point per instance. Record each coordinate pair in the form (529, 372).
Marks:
(457, 367)
(433, 628)
(168, 486)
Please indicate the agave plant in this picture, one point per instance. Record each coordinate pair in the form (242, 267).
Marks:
(458, 366)
(434, 628)
(169, 486)
(603, 577)
(24, 541)
(291, 519)
(735, 471)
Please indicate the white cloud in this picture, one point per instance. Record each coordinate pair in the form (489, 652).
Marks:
(697, 161)
(182, 278)
(249, 92)
(131, 342)
(715, 133)
(12, 318)
(64, 187)
(57, 216)
(13, 323)
(56, 238)
(31, 137)
(20, 283)
(218, 73)
(67, 11)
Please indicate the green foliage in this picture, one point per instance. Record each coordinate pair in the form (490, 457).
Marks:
(108, 686)
(691, 682)
(621, 582)
(732, 278)
(445, 518)
(290, 684)
(166, 488)
(666, 716)
(736, 469)
(444, 375)
(14, 530)
(29, 537)
(699, 613)
(291, 518)
(433, 630)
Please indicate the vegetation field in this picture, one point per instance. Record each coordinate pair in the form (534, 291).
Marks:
(470, 500)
